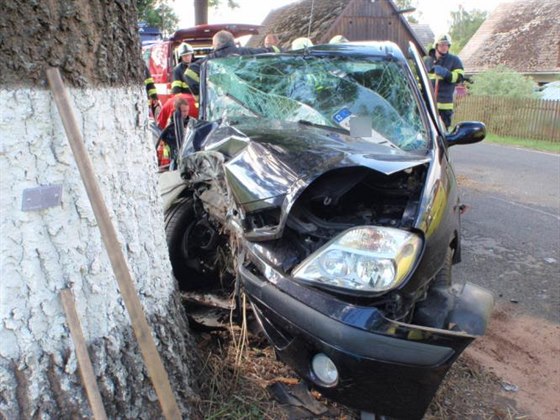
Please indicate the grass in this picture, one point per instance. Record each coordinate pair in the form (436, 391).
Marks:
(234, 379)
(235, 373)
(545, 146)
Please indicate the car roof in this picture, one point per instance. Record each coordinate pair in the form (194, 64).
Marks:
(382, 49)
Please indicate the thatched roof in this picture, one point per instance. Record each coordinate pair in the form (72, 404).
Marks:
(424, 33)
(523, 35)
(305, 18)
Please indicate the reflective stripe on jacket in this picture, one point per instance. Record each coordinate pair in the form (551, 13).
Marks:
(446, 86)
(151, 90)
(180, 84)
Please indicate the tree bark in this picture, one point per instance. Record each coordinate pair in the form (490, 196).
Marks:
(57, 244)
(200, 12)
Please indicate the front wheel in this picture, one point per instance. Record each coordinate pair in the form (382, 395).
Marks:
(193, 247)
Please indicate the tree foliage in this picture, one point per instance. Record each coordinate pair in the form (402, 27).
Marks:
(157, 13)
(201, 9)
(232, 4)
(407, 4)
(463, 26)
(502, 81)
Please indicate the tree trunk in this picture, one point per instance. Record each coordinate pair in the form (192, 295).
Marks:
(200, 12)
(56, 244)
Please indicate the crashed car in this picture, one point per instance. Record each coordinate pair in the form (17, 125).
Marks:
(318, 184)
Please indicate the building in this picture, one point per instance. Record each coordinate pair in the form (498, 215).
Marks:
(357, 20)
(523, 35)
(424, 34)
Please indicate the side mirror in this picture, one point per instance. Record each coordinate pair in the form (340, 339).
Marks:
(466, 132)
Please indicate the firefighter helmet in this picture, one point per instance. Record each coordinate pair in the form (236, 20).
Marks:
(300, 43)
(338, 39)
(443, 38)
(185, 49)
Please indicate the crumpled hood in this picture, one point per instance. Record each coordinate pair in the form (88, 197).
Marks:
(269, 158)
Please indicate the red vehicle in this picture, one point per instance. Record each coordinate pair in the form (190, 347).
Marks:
(160, 56)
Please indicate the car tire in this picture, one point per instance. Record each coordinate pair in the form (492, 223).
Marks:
(187, 259)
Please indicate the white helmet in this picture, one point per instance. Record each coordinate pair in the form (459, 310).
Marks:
(441, 39)
(300, 43)
(185, 49)
(338, 39)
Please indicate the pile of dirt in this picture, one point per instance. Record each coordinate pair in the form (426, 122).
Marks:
(510, 373)
(524, 352)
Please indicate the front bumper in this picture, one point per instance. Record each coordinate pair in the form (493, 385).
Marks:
(385, 367)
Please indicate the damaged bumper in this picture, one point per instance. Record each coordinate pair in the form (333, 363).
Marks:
(383, 366)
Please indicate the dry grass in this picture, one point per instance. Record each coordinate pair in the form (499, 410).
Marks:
(239, 366)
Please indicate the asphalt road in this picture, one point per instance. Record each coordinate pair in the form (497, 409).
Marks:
(511, 229)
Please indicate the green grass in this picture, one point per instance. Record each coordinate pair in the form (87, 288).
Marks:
(546, 146)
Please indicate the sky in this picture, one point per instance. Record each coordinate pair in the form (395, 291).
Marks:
(436, 13)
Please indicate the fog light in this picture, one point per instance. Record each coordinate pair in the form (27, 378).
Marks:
(324, 369)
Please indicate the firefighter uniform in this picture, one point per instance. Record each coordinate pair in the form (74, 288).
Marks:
(186, 54)
(192, 73)
(151, 91)
(180, 84)
(445, 71)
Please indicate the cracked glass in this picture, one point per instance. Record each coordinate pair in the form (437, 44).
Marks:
(339, 92)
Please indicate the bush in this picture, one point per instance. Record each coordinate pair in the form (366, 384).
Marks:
(503, 81)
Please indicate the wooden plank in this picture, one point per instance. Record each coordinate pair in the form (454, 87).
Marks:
(551, 121)
(525, 125)
(499, 105)
(84, 363)
(556, 122)
(528, 118)
(142, 330)
(533, 122)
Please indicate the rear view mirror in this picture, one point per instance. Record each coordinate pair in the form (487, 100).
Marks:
(466, 132)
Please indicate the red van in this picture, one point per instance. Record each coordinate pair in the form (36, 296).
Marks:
(160, 56)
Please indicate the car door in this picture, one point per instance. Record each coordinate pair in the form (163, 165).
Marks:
(426, 88)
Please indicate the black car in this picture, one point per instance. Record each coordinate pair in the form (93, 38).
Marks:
(318, 183)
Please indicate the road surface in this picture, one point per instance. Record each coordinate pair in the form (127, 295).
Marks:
(511, 229)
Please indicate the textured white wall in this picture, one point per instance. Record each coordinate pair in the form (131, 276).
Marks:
(42, 252)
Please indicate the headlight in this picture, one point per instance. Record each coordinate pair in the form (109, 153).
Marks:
(367, 258)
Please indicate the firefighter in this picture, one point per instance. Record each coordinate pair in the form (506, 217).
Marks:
(223, 44)
(445, 70)
(272, 41)
(169, 107)
(179, 85)
(171, 138)
(151, 92)
(301, 43)
(338, 39)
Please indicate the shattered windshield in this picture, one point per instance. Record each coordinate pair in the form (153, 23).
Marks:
(371, 98)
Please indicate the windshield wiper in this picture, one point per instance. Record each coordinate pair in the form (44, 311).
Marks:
(328, 127)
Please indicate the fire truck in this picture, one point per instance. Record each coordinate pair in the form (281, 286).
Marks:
(161, 57)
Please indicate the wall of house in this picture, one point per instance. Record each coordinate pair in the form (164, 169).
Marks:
(372, 21)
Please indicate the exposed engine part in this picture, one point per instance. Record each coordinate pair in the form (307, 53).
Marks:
(359, 197)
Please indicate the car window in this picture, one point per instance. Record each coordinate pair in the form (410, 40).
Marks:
(330, 91)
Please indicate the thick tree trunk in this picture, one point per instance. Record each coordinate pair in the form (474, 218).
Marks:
(200, 12)
(44, 250)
